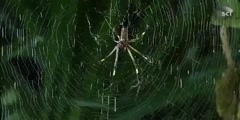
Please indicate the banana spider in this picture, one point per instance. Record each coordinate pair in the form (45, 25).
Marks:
(123, 42)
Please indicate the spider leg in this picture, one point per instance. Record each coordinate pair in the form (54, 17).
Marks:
(118, 38)
(114, 49)
(134, 40)
(115, 66)
(136, 68)
(116, 60)
(114, 36)
(138, 52)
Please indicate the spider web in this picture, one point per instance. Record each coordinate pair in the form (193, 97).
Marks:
(168, 42)
(51, 53)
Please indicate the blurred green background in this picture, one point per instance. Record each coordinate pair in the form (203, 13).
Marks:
(50, 53)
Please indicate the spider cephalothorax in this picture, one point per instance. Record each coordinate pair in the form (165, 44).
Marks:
(123, 45)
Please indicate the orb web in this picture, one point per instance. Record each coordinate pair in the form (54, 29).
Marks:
(51, 63)
(172, 42)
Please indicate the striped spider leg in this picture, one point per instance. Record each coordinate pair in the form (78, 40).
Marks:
(124, 43)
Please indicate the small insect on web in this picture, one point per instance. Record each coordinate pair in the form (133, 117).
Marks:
(123, 43)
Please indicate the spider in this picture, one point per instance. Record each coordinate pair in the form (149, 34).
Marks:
(123, 42)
